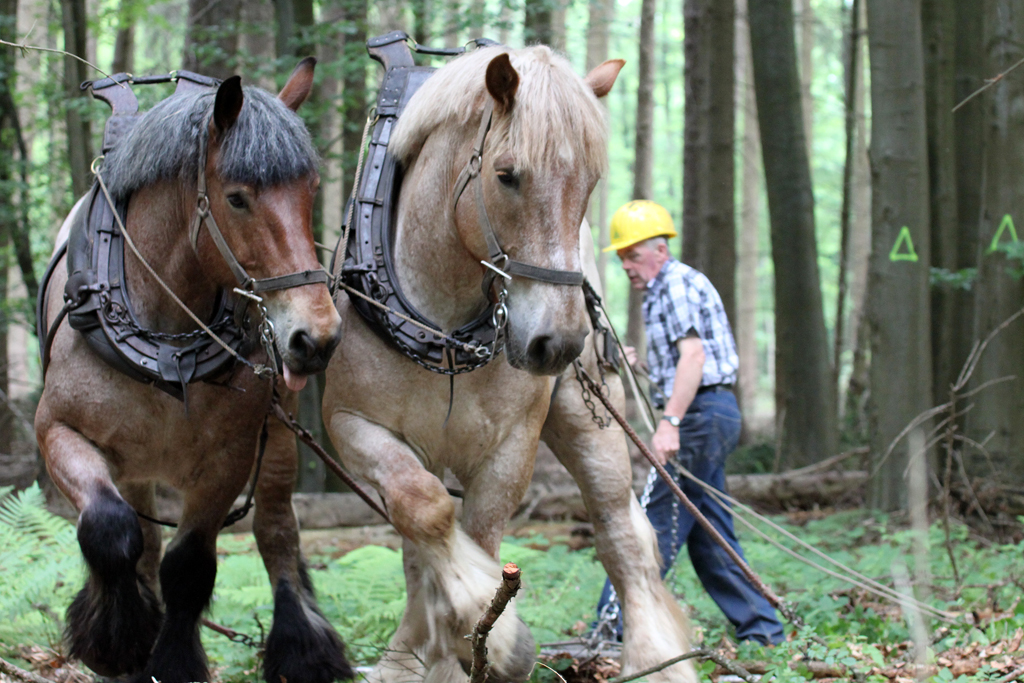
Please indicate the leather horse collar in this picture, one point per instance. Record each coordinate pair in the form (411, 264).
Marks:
(96, 299)
(369, 262)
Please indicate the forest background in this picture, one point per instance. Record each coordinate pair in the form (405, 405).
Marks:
(857, 283)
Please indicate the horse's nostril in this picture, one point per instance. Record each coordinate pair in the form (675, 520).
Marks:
(302, 345)
(539, 349)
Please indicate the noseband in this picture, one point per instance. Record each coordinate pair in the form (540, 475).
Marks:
(500, 262)
(247, 284)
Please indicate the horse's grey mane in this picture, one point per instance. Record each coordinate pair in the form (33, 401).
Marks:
(268, 145)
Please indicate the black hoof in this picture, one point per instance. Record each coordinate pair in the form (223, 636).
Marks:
(180, 661)
(302, 647)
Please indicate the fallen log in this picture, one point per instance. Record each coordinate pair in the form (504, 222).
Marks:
(791, 490)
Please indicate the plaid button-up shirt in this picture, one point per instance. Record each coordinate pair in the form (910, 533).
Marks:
(680, 302)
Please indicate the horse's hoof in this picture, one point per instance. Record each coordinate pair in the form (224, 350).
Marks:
(517, 665)
(111, 629)
(302, 647)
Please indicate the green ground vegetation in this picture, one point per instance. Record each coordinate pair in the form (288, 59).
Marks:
(362, 594)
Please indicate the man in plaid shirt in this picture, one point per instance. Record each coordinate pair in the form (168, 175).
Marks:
(692, 361)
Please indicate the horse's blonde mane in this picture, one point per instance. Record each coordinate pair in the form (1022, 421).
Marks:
(556, 120)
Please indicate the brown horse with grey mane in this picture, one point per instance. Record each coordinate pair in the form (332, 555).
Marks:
(499, 152)
(215, 188)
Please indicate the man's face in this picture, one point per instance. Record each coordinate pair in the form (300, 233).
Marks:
(642, 262)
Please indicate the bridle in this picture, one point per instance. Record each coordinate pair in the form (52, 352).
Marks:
(500, 263)
(247, 285)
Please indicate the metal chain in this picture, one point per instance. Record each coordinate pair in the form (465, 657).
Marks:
(588, 398)
(116, 314)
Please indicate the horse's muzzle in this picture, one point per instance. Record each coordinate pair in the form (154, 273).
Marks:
(551, 353)
(308, 356)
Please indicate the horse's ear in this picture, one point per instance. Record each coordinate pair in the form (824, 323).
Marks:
(602, 77)
(502, 82)
(299, 84)
(228, 103)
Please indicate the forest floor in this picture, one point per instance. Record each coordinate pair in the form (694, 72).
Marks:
(849, 634)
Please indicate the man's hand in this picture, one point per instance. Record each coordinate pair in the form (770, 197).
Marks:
(665, 442)
(630, 352)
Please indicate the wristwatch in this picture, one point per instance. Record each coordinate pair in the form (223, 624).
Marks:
(672, 420)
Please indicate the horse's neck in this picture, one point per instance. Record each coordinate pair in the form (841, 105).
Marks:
(437, 274)
(158, 220)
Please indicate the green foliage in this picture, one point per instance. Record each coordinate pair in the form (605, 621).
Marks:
(962, 279)
(1014, 252)
(362, 593)
(40, 566)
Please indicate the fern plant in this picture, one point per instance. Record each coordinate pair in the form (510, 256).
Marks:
(40, 569)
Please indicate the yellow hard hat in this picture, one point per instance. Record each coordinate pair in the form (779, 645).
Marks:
(637, 221)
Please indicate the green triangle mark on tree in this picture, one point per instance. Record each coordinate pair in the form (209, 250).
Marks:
(903, 239)
(1006, 223)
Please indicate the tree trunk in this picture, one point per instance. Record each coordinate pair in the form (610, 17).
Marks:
(997, 412)
(748, 254)
(255, 51)
(354, 118)
(537, 22)
(852, 62)
(805, 399)
(79, 132)
(211, 39)
(859, 251)
(938, 23)
(421, 21)
(558, 25)
(898, 296)
(124, 41)
(709, 164)
(602, 12)
(970, 138)
(9, 213)
(971, 72)
(452, 22)
(804, 18)
(643, 161)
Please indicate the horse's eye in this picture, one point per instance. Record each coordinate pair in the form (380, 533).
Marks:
(236, 200)
(508, 179)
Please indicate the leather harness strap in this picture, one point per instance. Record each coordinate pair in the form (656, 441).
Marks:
(204, 216)
(500, 262)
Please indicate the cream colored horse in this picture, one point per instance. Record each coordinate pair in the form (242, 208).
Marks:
(386, 415)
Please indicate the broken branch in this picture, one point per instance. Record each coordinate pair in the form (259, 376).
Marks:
(510, 582)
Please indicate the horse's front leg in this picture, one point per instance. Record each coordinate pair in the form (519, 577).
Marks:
(450, 580)
(656, 628)
(189, 567)
(302, 646)
(113, 621)
(493, 491)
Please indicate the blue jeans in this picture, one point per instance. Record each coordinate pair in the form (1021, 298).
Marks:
(709, 432)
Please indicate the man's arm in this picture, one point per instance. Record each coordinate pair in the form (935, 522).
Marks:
(689, 372)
